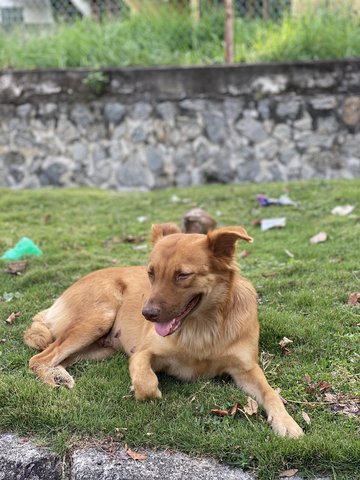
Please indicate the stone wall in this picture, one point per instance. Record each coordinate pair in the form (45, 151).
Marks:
(150, 128)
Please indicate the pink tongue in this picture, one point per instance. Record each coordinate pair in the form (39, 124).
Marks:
(163, 329)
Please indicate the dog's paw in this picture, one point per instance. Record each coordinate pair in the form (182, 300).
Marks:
(142, 393)
(58, 377)
(285, 426)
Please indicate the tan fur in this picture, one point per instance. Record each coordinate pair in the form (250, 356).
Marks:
(104, 312)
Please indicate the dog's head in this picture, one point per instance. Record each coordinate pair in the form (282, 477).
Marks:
(184, 269)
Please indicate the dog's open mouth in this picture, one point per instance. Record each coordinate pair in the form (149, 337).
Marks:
(165, 329)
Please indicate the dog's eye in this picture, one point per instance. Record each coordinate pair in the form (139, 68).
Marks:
(151, 275)
(183, 275)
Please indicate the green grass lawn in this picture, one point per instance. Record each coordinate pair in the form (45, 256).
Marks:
(303, 297)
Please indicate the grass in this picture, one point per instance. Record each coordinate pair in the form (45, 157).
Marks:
(305, 300)
(170, 38)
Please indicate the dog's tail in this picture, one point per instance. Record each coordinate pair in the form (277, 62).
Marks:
(38, 335)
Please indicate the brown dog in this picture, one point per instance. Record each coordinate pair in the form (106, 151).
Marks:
(202, 320)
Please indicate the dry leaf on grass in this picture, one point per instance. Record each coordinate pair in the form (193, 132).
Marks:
(219, 412)
(141, 457)
(244, 254)
(12, 317)
(16, 268)
(284, 342)
(251, 408)
(269, 274)
(306, 417)
(354, 299)
(342, 403)
(288, 473)
(318, 238)
(235, 408)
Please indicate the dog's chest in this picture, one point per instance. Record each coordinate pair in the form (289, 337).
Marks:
(185, 368)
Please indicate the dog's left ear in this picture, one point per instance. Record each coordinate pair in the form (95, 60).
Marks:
(160, 230)
(222, 240)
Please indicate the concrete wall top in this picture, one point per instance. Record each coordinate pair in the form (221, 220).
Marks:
(177, 83)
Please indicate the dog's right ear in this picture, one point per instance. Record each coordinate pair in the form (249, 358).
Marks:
(160, 230)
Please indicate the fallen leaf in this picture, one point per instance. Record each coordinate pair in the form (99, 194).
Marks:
(219, 412)
(342, 210)
(251, 407)
(285, 351)
(336, 260)
(12, 317)
(235, 408)
(136, 456)
(324, 385)
(329, 397)
(269, 274)
(354, 299)
(133, 238)
(16, 268)
(244, 254)
(46, 217)
(307, 378)
(318, 238)
(285, 341)
(306, 417)
(288, 473)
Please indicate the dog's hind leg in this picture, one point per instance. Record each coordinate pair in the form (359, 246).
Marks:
(38, 335)
(81, 333)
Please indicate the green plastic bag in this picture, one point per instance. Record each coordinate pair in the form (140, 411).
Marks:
(24, 248)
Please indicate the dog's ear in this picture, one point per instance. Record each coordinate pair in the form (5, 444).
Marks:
(162, 229)
(222, 240)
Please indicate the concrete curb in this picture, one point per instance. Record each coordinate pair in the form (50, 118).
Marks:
(20, 459)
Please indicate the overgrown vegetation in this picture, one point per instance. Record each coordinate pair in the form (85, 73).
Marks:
(172, 38)
(303, 290)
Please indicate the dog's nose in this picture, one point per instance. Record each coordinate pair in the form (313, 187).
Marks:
(151, 312)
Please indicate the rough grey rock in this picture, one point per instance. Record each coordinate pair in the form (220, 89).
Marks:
(138, 135)
(25, 110)
(351, 111)
(155, 159)
(19, 459)
(323, 103)
(81, 116)
(114, 112)
(288, 109)
(167, 111)
(135, 173)
(141, 111)
(215, 126)
(252, 129)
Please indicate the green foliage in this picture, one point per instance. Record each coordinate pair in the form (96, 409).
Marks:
(170, 37)
(326, 35)
(305, 300)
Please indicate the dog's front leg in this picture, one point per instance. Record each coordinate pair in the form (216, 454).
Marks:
(144, 381)
(254, 383)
